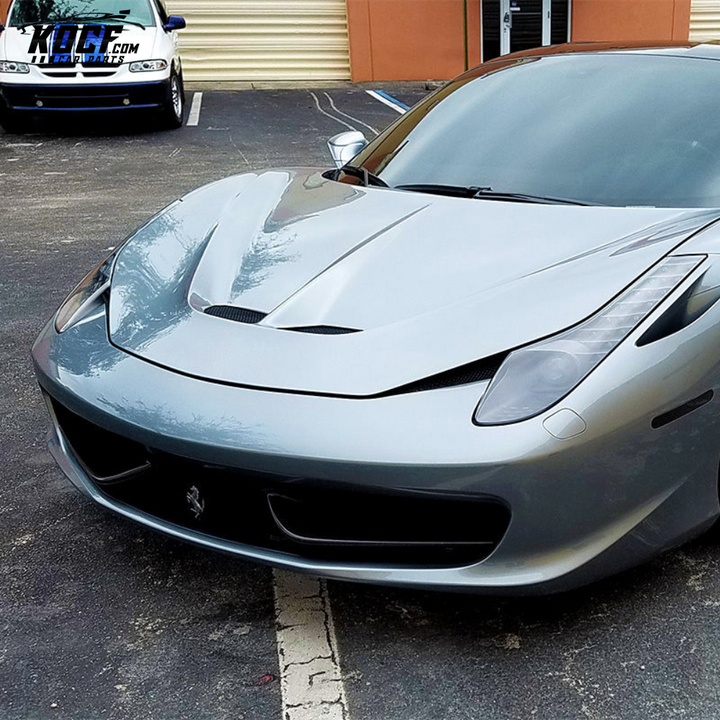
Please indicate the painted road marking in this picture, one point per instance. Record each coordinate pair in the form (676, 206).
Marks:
(349, 117)
(327, 114)
(310, 679)
(194, 117)
(389, 100)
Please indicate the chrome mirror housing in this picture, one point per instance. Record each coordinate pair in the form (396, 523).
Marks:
(345, 146)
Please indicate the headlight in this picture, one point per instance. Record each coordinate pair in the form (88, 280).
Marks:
(148, 65)
(535, 377)
(10, 66)
(86, 295)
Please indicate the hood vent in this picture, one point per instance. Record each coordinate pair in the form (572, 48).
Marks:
(323, 329)
(236, 314)
(252, 317)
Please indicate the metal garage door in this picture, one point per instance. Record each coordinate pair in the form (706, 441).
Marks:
(264, 39)
(704, 20)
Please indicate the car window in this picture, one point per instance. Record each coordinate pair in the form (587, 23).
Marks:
(49, 11)
(606, 128)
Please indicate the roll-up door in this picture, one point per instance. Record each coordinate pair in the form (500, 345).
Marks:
(263, 39)
(704, 20)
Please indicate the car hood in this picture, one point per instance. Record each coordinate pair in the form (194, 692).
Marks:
(429, 282)
(15, 44)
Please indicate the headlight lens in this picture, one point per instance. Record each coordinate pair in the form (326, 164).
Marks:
(148, 65)
(535, 377)
(9, 66)
(84, 297)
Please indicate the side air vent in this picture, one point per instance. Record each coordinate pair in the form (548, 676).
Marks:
(323, 330)
(473, 372)
(236, 314)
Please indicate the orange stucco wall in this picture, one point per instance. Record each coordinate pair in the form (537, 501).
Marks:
(411, 39)
(425, 39)
(4, 5)
(630, 20)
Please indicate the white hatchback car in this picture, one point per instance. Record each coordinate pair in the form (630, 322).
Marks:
(90, 55)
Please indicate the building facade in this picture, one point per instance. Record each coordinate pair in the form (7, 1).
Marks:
(373, 40)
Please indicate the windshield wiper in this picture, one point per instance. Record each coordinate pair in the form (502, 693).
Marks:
(94, 17)
(26, 25)
(366, 176)
(486, 193)
(437, 189)
(490, 194)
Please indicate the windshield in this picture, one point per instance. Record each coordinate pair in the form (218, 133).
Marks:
(610, 129)
(48, 11)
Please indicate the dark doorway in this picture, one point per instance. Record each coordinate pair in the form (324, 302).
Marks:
(513, 25)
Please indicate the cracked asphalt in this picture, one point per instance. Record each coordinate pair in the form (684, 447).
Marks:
(100, 618)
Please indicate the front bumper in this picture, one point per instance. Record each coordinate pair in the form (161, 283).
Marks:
(85, 97)
(581, 508)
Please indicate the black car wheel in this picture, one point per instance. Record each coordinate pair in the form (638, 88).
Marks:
(171, 116)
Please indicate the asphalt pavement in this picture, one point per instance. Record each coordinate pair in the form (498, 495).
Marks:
(100, 618)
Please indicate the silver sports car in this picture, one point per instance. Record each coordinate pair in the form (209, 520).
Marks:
(480, 353)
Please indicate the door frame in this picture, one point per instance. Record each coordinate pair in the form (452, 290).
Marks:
(504, 30)
(505, 27)
(546, 26)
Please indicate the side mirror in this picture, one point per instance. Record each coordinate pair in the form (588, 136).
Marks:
(345, 146)
(175, 22)
(2, 27)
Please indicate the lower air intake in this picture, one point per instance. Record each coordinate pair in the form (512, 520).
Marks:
(321, 520)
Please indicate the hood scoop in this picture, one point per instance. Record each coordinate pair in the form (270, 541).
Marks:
(253, 317)
(408, 286)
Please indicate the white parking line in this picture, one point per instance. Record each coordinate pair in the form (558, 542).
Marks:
(194, 117)
(349, 117)
(310, 679)
(385, 99)
(327, 114)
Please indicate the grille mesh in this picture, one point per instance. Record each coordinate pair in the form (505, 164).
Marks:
(252, 317)
(236, 314)
(323, 330)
